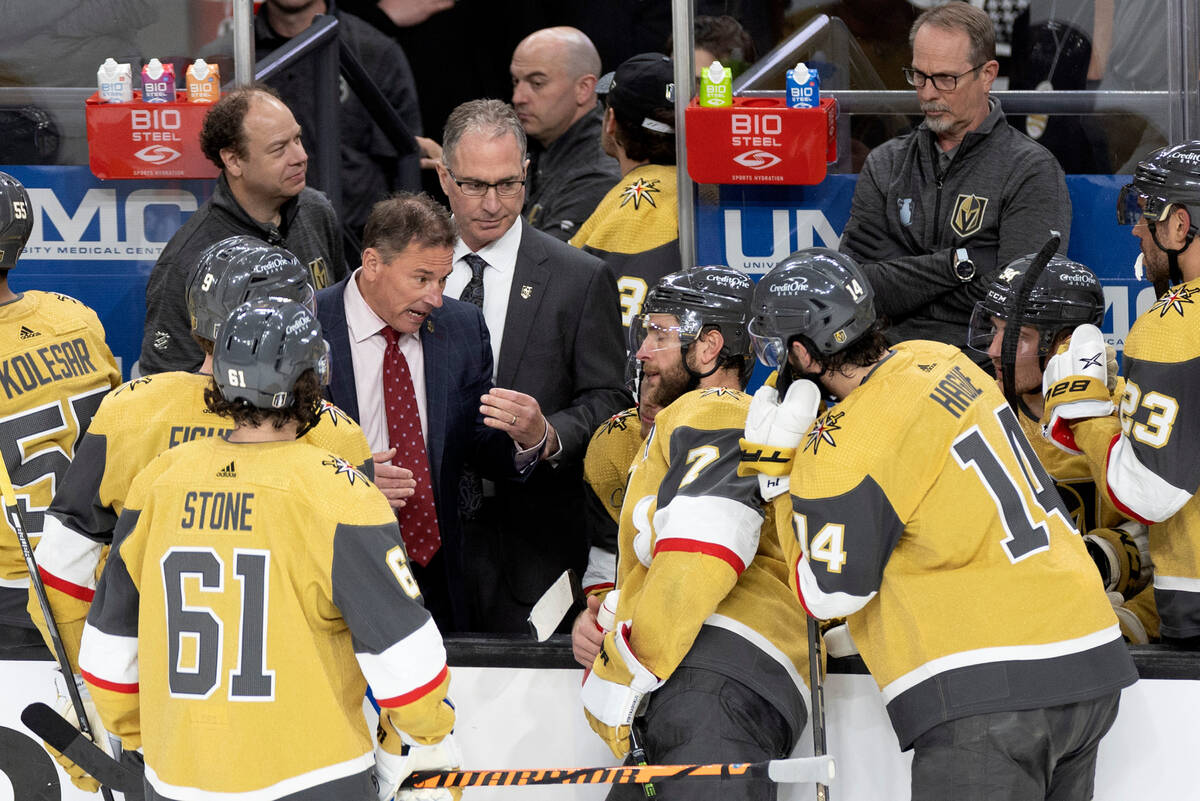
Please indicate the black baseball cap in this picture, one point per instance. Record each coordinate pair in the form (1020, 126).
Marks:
(641, 86)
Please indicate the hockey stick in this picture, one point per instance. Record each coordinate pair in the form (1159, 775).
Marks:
(16, 519)
(779, 771)
(58, 732)
(816, 673)
(1012, 332)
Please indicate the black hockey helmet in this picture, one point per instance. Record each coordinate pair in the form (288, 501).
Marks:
(1067, 294)
(1168, 176)
(264, 347)
(815, 293)
(16, 220)
(239, 269)
(701, 297)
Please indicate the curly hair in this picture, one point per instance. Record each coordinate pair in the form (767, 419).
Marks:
(304, 409)
(223, 128)
(641, 144)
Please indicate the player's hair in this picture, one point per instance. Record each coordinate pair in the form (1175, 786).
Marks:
(407, 218)
(965, 18)
(305, 408)
(493, 117)
(862, 352)
(641, 144)
(223, 124)
(724, 37)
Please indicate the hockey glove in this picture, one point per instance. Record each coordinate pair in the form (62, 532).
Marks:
(773, 432)
(1132, 628)
(391, 768)
(1075, 385)
(613, 691)
(1122, 555)
(64, 707)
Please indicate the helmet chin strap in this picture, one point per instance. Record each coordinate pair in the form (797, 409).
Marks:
(1174, 274)
(694, 377)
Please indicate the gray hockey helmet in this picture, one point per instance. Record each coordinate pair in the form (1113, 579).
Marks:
(264, 347)
(1067, 294)
(239, 269)
(1168, 176)
(16, 220)
(815, 293)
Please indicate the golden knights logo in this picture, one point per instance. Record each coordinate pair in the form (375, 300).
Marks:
(342, 467)
(132, 385)
(822, 431)
(639, 191)
(334, 414)
(720, 392)
(1174, 300)
(618, 422)
(967, 216)
(319, 272)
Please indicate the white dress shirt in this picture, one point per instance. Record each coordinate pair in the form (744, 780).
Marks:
(501, 257)
(367, 346)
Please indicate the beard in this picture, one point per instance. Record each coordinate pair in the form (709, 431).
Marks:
(670, 384)
(938, 125)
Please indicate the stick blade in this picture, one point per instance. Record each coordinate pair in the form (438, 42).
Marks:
(68, 740)
(819, 769)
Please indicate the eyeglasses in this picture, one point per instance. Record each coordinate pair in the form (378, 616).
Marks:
(942, 81)
(508, 188)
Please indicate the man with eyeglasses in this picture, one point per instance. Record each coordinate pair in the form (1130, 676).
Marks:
(552, 315)
(936, 212)
(1149, 448)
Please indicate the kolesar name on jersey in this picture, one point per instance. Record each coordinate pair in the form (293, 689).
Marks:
(34, 368)
(217, 511)
(955, 392)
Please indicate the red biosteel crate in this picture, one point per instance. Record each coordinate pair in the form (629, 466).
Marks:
(147, 140)
(761, 141)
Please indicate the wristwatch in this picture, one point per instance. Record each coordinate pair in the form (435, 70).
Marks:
(964, 268)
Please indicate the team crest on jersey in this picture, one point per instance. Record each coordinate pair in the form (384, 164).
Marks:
(1174, 300)
(132, 385)
(342, 467)
(639, 191)
(720, 392)
(967, 216)
(822, 431)
(66, 298)
(618, 422)
(335, 414)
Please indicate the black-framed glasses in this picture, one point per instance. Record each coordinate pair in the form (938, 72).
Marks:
(942, 81)
(509, 188)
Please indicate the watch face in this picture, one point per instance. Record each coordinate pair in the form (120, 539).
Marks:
(965, 269)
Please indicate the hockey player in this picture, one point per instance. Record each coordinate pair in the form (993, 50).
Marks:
(1150, 452)
(255, 585)
(920, 512)
(148, 415)
(54, 369)
(1066, 295)
(704, 631)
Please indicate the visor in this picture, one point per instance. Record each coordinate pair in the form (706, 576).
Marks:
(981, 330)
(1132, 205)
(770, 350)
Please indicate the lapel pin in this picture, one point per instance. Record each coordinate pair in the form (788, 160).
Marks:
(526, 291)
(429, 326)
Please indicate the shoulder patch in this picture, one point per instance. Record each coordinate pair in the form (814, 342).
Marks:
(822, 431)
(132, 385)
(342, 467)
(618, 422)
(335, 414)
(720, 392)
(640, 191)
(1173, 300)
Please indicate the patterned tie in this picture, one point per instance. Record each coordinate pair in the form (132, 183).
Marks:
(473, 291)
(470, 488)
(418, 518)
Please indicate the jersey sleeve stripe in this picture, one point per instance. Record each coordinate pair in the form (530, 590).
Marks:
(109, 660)
(116, 687)
(68, 557)
(66, 587)
(408, 668)
(416, 694)
(707, 548)
(717, 526)
(1136, 490)
(825, 605)
(601, 570)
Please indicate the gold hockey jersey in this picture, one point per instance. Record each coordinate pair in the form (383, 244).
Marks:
(605, 471)
(920, 512)
(54, 369)
(136, 422)
(699, 581)
(256, 588)
(1151, 453)
(635, 229)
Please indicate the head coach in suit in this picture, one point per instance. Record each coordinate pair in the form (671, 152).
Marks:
(554, 319)
(416, 371)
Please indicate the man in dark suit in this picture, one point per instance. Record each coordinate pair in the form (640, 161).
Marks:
(395, 341)
(554, 319)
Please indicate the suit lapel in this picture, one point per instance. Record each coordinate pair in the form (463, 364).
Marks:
(332, 314)
(531, 275)
(435, 350)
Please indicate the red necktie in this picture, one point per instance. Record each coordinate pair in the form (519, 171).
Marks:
(418, 518)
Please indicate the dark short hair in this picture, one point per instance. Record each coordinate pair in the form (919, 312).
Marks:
(725, 38)
(862, 352)
(966, 18)
(641, 144)
(305, 408)
(223, 124)
(406, 218)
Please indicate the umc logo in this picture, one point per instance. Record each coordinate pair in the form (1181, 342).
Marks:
(105, 226)
(810, 226)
